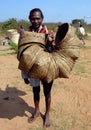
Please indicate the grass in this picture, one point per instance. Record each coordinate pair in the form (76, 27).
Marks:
(3, 54)
(80, 68)
(84, 47)
(7, 50)
(14, 47)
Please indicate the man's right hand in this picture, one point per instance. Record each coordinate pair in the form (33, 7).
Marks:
(26, 81)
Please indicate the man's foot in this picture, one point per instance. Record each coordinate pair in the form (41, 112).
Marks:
(34, 116)
(46, 121)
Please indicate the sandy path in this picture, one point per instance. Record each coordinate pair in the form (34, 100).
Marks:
(71, 98)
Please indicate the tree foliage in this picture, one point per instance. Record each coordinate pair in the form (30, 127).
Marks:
(79, 21)
(10, 24)
(13, 24)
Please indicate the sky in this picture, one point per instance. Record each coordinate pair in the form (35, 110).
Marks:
(53, 10)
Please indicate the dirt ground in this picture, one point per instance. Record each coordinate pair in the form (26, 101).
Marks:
(71, 98)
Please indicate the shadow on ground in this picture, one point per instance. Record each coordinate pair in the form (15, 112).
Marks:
(12, 105)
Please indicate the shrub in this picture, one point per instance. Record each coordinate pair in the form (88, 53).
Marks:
(14, 47)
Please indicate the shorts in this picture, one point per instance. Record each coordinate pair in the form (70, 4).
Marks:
(34, 82)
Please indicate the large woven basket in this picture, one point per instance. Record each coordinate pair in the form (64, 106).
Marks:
(13, 35)
(28, 39)
(37, 62)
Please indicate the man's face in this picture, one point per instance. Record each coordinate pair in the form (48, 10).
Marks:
(36, 19)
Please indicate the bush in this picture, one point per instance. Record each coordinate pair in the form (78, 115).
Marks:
(14, 47)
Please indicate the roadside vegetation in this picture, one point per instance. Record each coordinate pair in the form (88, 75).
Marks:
(13, 23)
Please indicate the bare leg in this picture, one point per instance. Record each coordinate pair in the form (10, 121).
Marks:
(83, 42)
(47, 93)
(46, 117)
(36, 97)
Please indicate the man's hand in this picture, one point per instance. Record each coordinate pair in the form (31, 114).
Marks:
(26, 81)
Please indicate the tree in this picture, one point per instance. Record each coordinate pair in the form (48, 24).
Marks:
(79, 21)
(10, 24)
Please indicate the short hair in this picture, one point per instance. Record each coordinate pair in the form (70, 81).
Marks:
(80, 25)
(34, 10)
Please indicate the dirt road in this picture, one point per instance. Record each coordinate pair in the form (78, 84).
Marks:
(71, 98)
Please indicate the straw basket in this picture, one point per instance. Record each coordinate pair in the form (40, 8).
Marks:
(37, 62)
(13, 35)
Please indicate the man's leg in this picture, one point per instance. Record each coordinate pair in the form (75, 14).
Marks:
(36, 98)
(47, 93)
(83, 41)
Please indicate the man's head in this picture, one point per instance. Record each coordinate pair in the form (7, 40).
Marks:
(36, 18)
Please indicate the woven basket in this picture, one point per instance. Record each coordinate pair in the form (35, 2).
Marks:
(13, 35)
(32, 37)
(37, 62)
(66, 41)
(28, 39)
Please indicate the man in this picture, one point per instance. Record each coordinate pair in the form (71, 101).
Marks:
(36, 19)
(82, 33)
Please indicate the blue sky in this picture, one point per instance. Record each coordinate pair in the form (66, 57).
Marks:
(53, 10)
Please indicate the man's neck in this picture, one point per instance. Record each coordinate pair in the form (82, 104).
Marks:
(37, 30)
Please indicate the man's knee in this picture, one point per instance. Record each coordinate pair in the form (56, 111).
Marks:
(47, 90)
(47, 95)
(36, 90)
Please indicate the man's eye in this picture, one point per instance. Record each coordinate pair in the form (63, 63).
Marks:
(35, 18)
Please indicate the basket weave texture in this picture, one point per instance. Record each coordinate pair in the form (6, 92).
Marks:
(37, 62)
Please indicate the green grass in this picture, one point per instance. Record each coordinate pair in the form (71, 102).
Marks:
(84, 47)
(3, 54)
(80, 68)
(14, 47)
